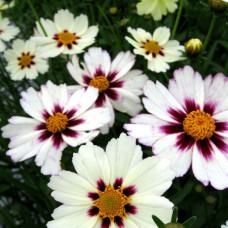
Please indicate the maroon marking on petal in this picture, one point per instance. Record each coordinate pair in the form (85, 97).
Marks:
(129, 191)
(118, 182)
(41, 126)
(93, 211)
(190, 105)
(70, 133)
(221, 126)
(177, 115)
(105, 223)
(69, 46)
(219, 142)
(130, 209)
(154, 55)
(70, 113)
(116, 84)
(205, 148)
(112, 94)
(172, 128)
(75, 122)
(93, 196)
(59, 45)
(57, 140)
(111, 76)
(209, 108)
(86, 79)
(99, 72)
(45, 114)
(45, 135)
(184, 141)
(57, 108)
(119, 221)
(100, 100)
(161, 53)
(65, 30)
(101, 185)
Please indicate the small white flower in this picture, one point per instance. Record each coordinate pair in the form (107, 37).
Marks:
(5, 5)
(188, 124)
(7, 32)
(57, 120)
(66, 35)
(113, 189)
(157, 8)
(24, 60)
(225, 226)
(119, 88)
(156, 48)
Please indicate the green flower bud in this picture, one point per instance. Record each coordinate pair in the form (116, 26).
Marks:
(174, 225)
(218, 6)
(193, 47)
(113, 10)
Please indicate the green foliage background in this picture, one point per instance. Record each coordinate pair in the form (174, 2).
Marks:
(25, 199)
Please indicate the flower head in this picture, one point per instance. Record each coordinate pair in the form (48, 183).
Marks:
(6, 5)
(7, 32)
(24, 60)
(119, 87)
(157, 8)
(188, 124)
(225, 226)
(156, 48)
(113, 189)
(57, 120)
(66, 35)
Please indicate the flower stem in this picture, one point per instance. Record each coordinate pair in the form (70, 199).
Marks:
(36, 15)
(177, 19)
(208, 35)
(166, 76)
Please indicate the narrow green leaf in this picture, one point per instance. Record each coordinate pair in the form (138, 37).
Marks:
(190, 222)
(158, 222)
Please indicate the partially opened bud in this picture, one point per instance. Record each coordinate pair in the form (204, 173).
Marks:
(193, 47)
(113, 10)
(218, 6)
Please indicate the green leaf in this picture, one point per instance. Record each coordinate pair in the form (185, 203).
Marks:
(190, 222)
(158, 222)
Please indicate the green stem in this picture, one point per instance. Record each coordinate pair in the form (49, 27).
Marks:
(177, 19)
(110, 26)
(37, 17)
(208, 35)
(166, 76)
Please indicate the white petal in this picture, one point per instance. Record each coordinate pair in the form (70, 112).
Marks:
(161, 35)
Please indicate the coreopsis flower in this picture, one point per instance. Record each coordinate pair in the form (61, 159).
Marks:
(66, 35)
(119, 88)
(24, 60)
(225, 226)
(188, 124)
(156, 48)
(157, 8)
(7, 32)
(113, 189)
(57, 120)
(5, 5)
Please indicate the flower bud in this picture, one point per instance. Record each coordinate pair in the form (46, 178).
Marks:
(174, 225)
(113, 10)
(124, 21)
(218, 6)
(193, 47)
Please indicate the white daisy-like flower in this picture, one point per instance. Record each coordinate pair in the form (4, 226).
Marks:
(57, 120)
(225, 0)
(24, 60)
(119, 88)
(66, 35)
(113, 189)
(7, 32)
(5, 5)
(156, 48)
(188, 124)
(225, 226)
(157, 8)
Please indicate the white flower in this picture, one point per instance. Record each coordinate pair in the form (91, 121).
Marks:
(57, 120)
(157, 8)
(188, 124)
(5, 5)
(24, 60)
(66, 35)
(119, 88)
(156, 48)
(7, 32)
(225, 226)
(113, 189)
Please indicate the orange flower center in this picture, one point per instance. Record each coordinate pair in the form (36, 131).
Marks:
(111, 203)
(100, 82)
(66, 38)
(25, 60)
(57, 122)
(199, 125)
(152, 47)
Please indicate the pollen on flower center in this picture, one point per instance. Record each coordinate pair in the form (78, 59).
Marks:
(152, 47)
(111, 203)
(66, 38)
(199, 125)
(100, 82)
(57, 122)
(26, 60)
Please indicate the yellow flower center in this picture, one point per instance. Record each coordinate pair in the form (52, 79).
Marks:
(199, 125)
(152, 47)
(66, 38)
(25, 60)
(100, 82)
(57, 122)
(111, 203)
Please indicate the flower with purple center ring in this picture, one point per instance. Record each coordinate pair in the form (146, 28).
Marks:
(188, 124)
(57, 120)
(119, 86)
(113, 189)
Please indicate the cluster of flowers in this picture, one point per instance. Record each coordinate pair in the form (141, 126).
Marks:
(187, 123)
